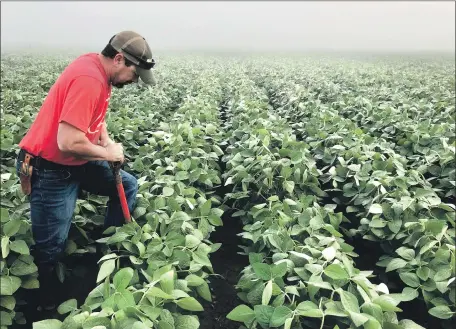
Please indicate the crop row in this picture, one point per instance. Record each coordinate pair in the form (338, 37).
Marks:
(301, 271)
(392, 201)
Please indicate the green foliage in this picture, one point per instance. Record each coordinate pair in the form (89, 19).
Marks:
(312, 152)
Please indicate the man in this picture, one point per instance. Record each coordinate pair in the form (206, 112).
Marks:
(68, 148)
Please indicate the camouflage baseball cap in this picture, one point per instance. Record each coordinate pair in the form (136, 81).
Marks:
(135, 48)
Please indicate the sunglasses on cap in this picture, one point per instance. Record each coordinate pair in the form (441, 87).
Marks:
(144, 64)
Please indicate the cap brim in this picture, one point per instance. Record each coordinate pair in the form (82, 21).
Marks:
(147, 76)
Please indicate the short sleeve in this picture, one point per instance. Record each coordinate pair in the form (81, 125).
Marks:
(81, 102)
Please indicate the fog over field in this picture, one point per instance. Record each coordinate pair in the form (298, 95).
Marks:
(233, 26)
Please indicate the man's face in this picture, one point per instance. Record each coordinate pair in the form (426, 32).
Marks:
(123, 74)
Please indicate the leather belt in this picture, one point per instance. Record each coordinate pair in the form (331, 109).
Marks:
(39, 162)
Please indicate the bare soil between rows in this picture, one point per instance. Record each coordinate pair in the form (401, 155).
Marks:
(228, 264)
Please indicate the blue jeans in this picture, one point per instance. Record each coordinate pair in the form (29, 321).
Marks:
(53, 200)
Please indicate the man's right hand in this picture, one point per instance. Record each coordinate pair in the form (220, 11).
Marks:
(115, 152)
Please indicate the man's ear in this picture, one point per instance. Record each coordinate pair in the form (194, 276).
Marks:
(118, 59)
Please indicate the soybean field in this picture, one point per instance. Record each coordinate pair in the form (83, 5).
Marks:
(283, 192)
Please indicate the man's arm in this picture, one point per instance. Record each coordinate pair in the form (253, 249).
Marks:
(80, 104)
(73, 141)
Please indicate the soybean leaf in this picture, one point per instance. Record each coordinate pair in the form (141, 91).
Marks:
(186, 322)
(122, 278)
(336, 272)
(106, 269)
(48, 324)
(9, 285)
(68, 306)
(262, 270)
(267, 293)
(279, 316)
(395, 264)
(241, 313)
(189, 304)
(349, 301)
(441, 312)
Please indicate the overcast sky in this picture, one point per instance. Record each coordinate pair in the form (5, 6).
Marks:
(234, 25)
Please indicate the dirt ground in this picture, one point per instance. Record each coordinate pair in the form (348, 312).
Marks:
(229, 264)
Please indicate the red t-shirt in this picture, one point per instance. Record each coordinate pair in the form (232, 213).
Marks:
(80, 97)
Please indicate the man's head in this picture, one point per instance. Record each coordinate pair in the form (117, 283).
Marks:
(130, 58)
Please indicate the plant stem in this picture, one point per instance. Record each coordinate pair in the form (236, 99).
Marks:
(322, 322)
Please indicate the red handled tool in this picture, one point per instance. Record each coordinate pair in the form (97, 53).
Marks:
(120, 189)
